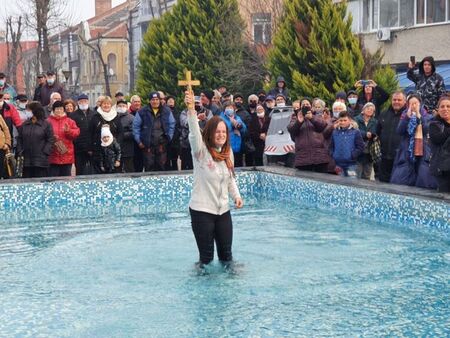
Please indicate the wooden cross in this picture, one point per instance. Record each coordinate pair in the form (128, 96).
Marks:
(189, 83)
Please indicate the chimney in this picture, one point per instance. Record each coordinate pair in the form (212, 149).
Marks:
(102, 6)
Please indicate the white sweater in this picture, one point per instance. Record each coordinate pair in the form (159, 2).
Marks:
(212, 180)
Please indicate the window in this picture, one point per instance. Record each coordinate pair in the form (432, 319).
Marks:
(375, 14)
(388, 13)
(406, 13)
(112, 66)
(262, 28)
(435, 11)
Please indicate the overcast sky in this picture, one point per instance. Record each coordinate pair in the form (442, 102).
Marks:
(80, 9)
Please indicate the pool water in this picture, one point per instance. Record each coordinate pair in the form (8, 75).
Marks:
(299, 272)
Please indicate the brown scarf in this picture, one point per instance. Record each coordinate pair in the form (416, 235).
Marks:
(224, 155)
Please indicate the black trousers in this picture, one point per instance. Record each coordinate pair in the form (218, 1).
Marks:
(30, 172)
(385, 169)
(56, 170)
(443, 182)
(208, 228)
(81, 160)
(155, 158)
(186, 159)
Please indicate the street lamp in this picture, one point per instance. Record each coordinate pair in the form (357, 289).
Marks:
(67, 74)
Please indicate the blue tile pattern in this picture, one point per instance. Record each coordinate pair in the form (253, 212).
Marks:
(161, 194)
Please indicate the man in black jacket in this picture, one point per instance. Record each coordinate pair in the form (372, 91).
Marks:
(389, 138)
(82, 116)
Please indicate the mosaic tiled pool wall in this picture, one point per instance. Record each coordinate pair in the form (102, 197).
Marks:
(96, 198)
(159, 194)
(356, 201)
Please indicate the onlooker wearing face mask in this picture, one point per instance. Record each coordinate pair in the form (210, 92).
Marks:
(135, 106)
(246, 149)
(173, 151)
(21, 103)
(82, 116)
(252, 102)
(6, 87)
(9, 113)
(255, 130)
(41, 80)
(51, 86)
(353, 108)
(206, 96)
(203, 115)
(236, 131)
(261, 97)
(280, 100)
(127, 141)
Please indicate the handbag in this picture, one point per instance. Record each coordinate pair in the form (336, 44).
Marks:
(60, 146)
(375, 150)
(10, 164)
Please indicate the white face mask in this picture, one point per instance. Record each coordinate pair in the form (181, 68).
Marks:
(22, 105)
(260, 114)
(352, 100)
(84, 106)
(336, 114)
(121, 110)
(8, 101)
(281, 104)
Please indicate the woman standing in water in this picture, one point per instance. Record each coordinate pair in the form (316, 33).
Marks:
(214, 181)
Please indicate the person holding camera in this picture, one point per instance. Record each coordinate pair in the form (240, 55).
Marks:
(306, 130)
(371, 92)
(412, 161)
(429, 85)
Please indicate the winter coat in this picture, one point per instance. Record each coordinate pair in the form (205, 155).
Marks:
(35, 143)
(11, 116)
(379, 97)
(144, 126)
(275, 91)
(237, 134)
(67, 137)
(5, 135)
(439, 131)
(7, 88)
(95, 131)
(346, 146)
(371, 127)
(47, 91)
(415, 172)
(255, 129)
(310, 145)
(109, 155)
(430, 88)
(184, 126)
(387, 132)
(82, 120)
(127, 144)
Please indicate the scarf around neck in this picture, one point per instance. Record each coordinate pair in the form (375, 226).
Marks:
(224, 155)
(107, 116)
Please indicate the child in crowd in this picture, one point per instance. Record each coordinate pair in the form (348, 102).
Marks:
(346, 146)
(111, 153)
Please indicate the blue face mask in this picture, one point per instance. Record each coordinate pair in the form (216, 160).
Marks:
(2, 83)
(352, 100)
(229, 112)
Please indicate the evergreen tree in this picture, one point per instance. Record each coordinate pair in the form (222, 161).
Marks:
(315, 49)
(202, 36)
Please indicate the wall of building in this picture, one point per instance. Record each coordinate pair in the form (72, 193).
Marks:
(417, 41)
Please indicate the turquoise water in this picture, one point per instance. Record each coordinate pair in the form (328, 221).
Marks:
(300, 272)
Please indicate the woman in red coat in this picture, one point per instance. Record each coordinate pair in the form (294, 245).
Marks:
(65, 130)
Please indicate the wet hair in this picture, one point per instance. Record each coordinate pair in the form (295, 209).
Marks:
(209, 133)
(36, 109)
